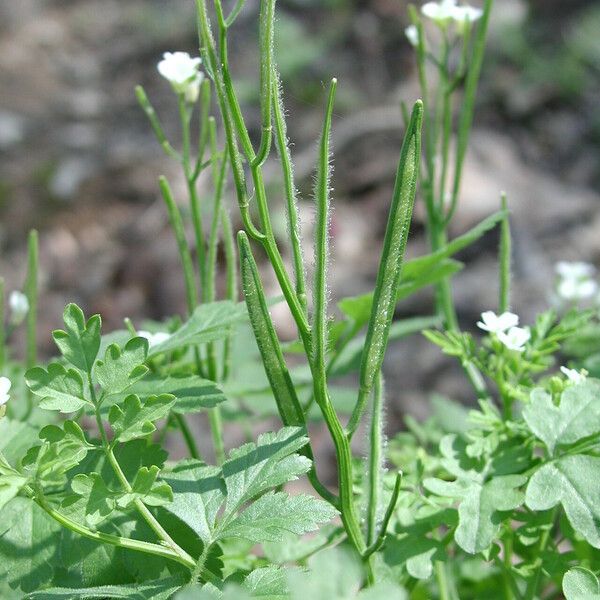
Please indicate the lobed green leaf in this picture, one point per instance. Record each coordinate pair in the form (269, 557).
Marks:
(80, 341)
(135, 419)
(59, 389)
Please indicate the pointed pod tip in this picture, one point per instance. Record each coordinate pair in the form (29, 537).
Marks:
(243, 243)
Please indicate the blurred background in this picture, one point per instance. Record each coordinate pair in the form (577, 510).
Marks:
(78, 160)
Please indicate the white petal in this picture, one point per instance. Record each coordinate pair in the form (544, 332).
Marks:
(178, 67)
(574, 270)
(5, 384)
(587, 288)
(439, 12)
(515, 338)
(412, 34)
(507, 320)
(573, 375)
(488, 321)
(466, 14)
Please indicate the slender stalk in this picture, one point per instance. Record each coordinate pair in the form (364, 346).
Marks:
(319, 338)
(213, 240)
(232, 117)
(290, 189)
(184, 251)
(31, 291)
(139, 505)
(505, 253)
(231, 292)
(446, 131)
(185, 114)
(114, 540)
(387, 517)
(375, 454)
(283, 389)
(203, 124)
(267, 26)
(155, 122)
(534, 582)
(468, 104)
(441, 576)
(188, 437)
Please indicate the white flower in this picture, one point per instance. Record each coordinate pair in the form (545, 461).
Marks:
(574, 270)
(183, 72)
(515, 338)
(154, 339)
(493, 323)
(465, 16)
(573, 375)
(4, 389)
(440, 12)
(412, 34)
(577, 289)
(19, 307)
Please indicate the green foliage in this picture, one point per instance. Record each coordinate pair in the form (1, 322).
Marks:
(576, 417)
(203, 493)
(134, 419)
(500, 501)
(579, 583)
(79, 342)
(58, 388)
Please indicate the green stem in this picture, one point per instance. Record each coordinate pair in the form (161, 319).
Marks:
(31, 291)
(231, 292)
(319, 339)
(155, 123)
(446, 124)
(468, 104)
(232, 114)
(216, 429)
(139, 505)
(184, 251)
(290, 190)
(187, 436)
(441, 576)
(120, 542)
(204, 126)
(505, 259)
(376, 443)
(534, 582)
